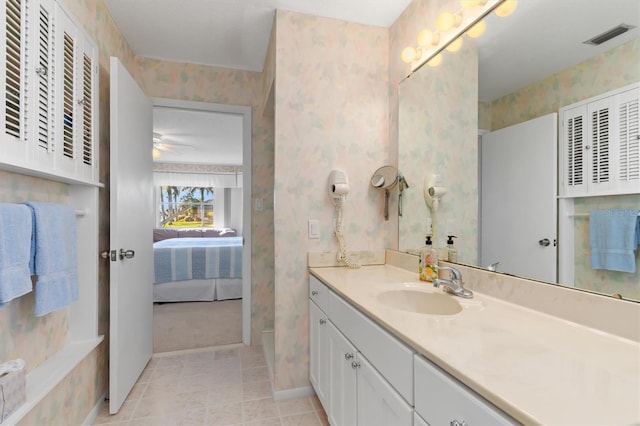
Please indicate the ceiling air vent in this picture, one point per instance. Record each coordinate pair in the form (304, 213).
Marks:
(608, 35)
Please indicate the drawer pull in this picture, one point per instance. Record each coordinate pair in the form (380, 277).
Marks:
(348, 356)
(457, 423)
(323, 321)
(314, 293)
(355, 365)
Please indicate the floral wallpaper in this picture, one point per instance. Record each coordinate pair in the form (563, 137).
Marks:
(331, 109)
(438, 135)
(610, 70)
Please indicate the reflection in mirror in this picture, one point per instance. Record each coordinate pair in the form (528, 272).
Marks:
(385, 178)
(520, 78)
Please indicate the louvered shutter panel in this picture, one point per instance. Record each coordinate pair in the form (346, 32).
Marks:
(68, 94)
(574, 162)
(44, 70)
(599, 153)
(14, 56)
(41, 72)
(629, 141)
(86, 107)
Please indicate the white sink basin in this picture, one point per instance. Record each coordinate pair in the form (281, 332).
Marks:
(420, 302)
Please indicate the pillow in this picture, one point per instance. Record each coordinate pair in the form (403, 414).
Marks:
(189, 233)
(228, 232)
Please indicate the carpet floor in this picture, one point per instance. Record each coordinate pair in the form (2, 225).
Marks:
(192, 325)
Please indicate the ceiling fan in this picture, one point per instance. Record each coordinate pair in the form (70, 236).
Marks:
(163, 144)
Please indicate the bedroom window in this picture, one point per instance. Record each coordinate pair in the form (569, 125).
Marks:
(186, 207)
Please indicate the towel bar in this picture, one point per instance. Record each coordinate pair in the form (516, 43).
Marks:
(81, 213)
(583, 215)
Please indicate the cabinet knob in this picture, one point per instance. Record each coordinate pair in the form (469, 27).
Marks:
(314, 293)
(348, 356)
(322, 321)
(458, 423)
(355, 365)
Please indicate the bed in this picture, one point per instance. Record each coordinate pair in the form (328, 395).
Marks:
(197, 269)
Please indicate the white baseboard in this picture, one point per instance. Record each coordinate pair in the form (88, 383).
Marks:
(95, 411)
(293, 393)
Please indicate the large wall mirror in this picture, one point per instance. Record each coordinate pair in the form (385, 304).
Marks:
(524, 67)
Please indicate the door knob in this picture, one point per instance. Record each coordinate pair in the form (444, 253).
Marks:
(544, 242)
(128, 254)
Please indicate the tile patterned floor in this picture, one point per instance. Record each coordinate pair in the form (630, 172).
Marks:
(211, 387)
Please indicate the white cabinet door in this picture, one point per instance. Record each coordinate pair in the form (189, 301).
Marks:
(342, 379)
(319, 353)
(378, 403)
(628, 128)
(41, 95)
(13, 51)
(600, 146)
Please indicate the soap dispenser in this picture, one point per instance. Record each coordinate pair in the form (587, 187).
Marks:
(428, 264)
(452, 253)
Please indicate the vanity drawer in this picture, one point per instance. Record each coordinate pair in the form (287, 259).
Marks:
(388, 355)
(318, 292)
(441, 399)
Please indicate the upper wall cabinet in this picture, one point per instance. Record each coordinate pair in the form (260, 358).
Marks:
(600, 145)
(49, 108)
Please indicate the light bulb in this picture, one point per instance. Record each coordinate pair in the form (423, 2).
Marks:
(455, 45)
(506, 8)
(448, 20)
(428, 38)
(435, 61)
(468, 4)
(477, 30)
(155, 153)
(409, 54)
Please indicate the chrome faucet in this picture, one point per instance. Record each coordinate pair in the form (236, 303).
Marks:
(454, 285)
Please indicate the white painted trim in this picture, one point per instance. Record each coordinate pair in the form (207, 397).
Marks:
(268, 350)
(45, 377)
(293, 393)
(93, 414)
(566, 243)
(245, 111)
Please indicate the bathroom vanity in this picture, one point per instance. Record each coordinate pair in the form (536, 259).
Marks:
(387, 348)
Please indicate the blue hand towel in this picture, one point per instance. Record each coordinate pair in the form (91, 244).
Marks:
(614, 235)
(55, 260)
(15, 245)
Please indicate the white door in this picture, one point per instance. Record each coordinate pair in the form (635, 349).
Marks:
(131, 215)
(319, 352)
(518, 199)
(342, 378)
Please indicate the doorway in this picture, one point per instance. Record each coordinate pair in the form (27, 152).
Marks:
(224, 158)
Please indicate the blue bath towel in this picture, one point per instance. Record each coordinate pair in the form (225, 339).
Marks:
(614, 235)
(55, 260)
(15, 243)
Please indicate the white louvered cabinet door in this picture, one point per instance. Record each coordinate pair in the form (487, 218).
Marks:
(573, 157)
(41, 90)
(86, 107)
(66, 146)
(628, 149)
(599, 149)
(13, 77)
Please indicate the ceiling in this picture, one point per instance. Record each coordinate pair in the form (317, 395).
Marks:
(234, 34)
(228, 33)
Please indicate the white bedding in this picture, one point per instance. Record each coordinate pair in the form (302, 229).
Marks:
(198, 290)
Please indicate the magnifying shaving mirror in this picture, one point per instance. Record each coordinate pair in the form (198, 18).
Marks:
(385, 179)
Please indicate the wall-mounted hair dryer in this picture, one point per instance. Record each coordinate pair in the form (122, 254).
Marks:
(433, 192)
(338, 186)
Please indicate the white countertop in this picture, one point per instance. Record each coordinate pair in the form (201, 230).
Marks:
(535, 367)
